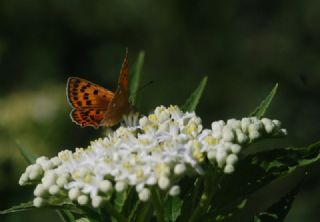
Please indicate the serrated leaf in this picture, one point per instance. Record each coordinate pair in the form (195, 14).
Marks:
(192, 102)
(28, 156)
(172, 208)
(264, 105)
(135, 77)
(258, 170)
(280, 209)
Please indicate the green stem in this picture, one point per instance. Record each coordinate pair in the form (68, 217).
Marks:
(206, 196)
(114, 213)
(157, 205)
(145, 213)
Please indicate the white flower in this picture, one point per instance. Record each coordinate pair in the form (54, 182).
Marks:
(153, 151)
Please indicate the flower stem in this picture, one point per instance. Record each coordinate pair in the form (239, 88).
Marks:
(157, 205)
(114, 213)
(206, 196)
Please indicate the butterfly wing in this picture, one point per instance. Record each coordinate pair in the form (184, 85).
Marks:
(119, 104)
(90, 102)
(83, 93)
(88, 116)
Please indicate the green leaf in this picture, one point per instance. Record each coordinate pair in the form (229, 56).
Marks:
(83, 219)
(192, 102)
(135, 77)
(190, 196)
(131, 204)
(172, 208)
(52, 203)
(257, 170)
(226, 212)
(144, 213)
(29, 157)
(134, 210)
(279, 210)
(120, 199)
(17, 208)
(65, 216)
(67, 211)
(264, 105)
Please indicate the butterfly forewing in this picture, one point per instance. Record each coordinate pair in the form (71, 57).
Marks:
(96, 106)
(82, 93)
(123, 81)
(119, 104)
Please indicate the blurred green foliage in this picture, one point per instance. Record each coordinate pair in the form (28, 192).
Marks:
(244, 47)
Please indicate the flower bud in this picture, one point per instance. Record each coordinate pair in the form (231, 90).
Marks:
(228, 169)
(227, 134)
(96, 201)
(121, 186)
(253, 131)
(241, 137)
(268, 125)
(55, 161)
(235, 148)
(231, 159)
(144, 194)
(54, 190)
(39, 191)
(163, 182)
(174, 190)
(105, 186)
(245, 122)
(38, 202)
(180, 169)
(74, 193)
(61, 181)
(83, 199)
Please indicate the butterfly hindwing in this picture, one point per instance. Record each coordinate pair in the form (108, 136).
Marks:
(88, 116)
(82, 93)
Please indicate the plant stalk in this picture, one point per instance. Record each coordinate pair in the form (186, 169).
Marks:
(114, 213)
(157, 205)
(206, 196)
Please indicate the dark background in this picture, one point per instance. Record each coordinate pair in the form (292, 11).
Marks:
(244, 47)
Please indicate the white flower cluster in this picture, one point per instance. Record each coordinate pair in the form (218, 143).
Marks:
(226, 139)
(155, 150)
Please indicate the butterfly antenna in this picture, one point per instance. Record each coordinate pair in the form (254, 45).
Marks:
(144, 86)
(141, 88)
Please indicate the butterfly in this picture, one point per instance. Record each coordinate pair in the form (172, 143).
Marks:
(93, 105)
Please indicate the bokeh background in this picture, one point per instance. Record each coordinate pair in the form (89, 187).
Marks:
(244, 47)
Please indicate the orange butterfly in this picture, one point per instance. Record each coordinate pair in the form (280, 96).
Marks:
(93, 105)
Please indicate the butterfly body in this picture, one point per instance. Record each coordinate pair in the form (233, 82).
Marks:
(93, 105)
